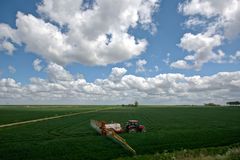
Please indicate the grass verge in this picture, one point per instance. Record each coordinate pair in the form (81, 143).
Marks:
(212, 153)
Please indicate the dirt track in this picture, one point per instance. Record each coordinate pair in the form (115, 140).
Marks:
(49, 118)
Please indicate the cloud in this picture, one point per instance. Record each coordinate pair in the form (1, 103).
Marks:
(128, 64)
(121, 88)
(216, 22)
(8, 38)
(67, 31)
(10, 89)
(194, 21)
(12, 69)
(201, 45)
(220, 14)
(37, 65)
(42, 38)
(117, 73)
(57, 73)
(140, 65)
(235, 58)
(167, 60)
(180, 64)
(9, 47)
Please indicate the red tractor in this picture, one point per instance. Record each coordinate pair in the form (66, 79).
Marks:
(134, 126)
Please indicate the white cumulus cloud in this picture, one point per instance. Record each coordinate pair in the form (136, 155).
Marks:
(75, 32)
(217, 21)
(201, 45)
(37, 65)
(226, 14)
(117, 73)
(235, 58)
(8, 38)
(140, 65)
(62, 87)
(58, 73)
(181, 64)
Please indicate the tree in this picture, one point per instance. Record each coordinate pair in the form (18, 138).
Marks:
(234, 103)
(136, 103)
(211, 104)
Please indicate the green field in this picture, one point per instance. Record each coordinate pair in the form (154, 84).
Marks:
(72, 138)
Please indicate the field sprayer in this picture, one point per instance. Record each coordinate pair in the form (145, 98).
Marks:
(110, 130)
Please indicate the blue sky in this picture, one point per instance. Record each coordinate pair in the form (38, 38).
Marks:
(167, 37)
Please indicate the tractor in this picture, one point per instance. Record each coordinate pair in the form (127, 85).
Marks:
(133, 126)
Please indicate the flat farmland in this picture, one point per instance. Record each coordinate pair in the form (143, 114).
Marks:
(168, 128)
(11, 114)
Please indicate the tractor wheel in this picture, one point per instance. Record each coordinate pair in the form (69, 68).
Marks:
(132, 130)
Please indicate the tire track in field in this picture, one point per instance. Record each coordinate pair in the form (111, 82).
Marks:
(64, 130)
(50, 118)
(61, 131)
(56, 132)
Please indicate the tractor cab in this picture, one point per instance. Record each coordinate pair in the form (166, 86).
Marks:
(134, 126)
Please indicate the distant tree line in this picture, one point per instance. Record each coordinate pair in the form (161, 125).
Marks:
(233, 103)
(211, 104)
(135, 104)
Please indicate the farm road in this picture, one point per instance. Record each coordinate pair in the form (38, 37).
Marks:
(53, 117)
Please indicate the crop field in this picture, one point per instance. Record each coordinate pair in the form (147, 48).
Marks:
(72, 138)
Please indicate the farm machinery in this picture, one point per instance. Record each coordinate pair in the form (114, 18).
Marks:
(134, 126)
(112, 130)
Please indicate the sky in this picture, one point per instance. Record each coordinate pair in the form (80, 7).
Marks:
(118, 52)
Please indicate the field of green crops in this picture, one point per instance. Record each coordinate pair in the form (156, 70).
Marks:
(72, 138)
